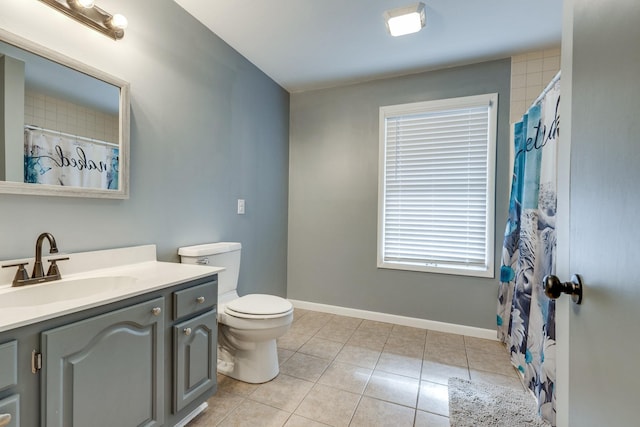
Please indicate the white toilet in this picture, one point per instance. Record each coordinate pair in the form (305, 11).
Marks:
(247, 326)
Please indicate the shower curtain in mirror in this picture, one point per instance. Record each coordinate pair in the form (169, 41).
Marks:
(526, 317)
(56, 159)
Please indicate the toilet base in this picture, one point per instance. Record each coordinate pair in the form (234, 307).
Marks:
(255, 366)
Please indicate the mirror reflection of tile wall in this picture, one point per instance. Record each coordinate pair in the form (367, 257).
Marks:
(57, 114)
(530, 73)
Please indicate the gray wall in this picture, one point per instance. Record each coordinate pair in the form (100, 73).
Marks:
(207, 128)
(333, 199)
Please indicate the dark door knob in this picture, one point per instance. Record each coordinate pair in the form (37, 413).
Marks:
(553, 287)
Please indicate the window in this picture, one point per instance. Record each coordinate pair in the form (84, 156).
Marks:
(436, 186)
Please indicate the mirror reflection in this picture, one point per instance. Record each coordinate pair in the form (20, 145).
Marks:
(62, 129)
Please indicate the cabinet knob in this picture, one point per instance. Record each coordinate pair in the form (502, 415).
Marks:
(5, 419)
(187, 331)
(156, 311)
(200, 300)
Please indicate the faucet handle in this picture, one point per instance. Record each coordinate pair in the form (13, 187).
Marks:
(17, 264)
(21, 274)
(53, 268)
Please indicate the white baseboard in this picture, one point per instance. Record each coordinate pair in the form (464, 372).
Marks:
(433, 325)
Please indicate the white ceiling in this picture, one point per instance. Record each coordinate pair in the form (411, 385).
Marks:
(306, 44)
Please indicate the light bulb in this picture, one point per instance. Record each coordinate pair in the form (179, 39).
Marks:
(87, 4)
(405, 24)
(119, 21)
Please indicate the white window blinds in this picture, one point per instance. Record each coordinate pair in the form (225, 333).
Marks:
(437, 184)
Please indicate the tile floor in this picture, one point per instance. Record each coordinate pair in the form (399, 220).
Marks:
(344, 371)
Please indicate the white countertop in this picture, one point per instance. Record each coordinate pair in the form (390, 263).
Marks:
(137, 265)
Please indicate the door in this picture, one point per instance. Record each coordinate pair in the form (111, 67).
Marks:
(107, 370)
(598, 380)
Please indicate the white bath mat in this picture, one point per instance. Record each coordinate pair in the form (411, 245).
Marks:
(474, 404)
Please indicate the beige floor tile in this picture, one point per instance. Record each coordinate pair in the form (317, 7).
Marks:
(345, 322)
(335, 332)
(381, 374)
(346, 377)
(234, 386)
(427, 419)
(502, 380)
(292, 341)
(251, 414)
(368, 339)
(377, 413)
(284, 355)
(441, 372)
(305, 367)
(446, 355)
(220, 405)
(490, 362)
(434, 398)
(299, 312)
(283, 392)
(329, 405)
(408, 332)
(358, 356)
(443, 339)
(304, 327)
(400, 365)
(322, 348)
(406, 346)
(393, 388)
(491, 346)
(381, 328)
(298, 421)
(317, 318)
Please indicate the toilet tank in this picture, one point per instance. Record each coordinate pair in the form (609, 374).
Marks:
(220, 254)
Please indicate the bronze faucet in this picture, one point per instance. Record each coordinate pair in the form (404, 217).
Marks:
(22, 277)
(53, 249)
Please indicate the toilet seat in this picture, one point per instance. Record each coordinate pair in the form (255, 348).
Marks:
(258, 306)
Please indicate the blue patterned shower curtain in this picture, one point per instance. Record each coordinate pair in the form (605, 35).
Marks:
(526, 317)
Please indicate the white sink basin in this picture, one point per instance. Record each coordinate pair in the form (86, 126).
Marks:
(62, 290)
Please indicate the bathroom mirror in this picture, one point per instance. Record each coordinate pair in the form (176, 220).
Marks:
(64, 126)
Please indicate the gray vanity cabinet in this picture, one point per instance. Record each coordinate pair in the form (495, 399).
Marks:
(148, 360)
(106, 370)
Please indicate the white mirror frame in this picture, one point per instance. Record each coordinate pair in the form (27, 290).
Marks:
(8, 187)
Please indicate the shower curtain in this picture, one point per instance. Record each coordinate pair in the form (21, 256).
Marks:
(55, 159)
(526, 316)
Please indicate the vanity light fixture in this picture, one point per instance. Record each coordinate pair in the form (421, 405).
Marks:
(405, 20)
(86, 12)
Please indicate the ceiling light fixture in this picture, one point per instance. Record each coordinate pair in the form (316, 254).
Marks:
(405, 20)
(86, 12)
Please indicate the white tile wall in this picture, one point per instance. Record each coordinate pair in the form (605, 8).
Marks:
(57, 114)
(530, 74)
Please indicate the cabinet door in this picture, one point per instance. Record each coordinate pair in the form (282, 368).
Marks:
(10, 406)
(195, 358)
(8, 365)
(107, 370)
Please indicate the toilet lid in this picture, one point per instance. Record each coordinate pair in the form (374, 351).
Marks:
(258, 305)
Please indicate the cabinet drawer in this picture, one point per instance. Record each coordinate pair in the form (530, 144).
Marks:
(11, 406)
(194, 299)
(8, 364)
